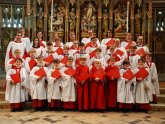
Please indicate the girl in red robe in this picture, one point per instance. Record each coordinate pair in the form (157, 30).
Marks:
(82, 77)
(113, 74)
(97, 94)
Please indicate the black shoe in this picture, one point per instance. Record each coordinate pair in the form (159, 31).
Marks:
(13, 110)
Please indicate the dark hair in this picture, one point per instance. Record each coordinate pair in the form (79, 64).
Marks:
(56, 61)
(34, 44)
(110, 32)
(49, 43)
(93, 38)
(19, 59)
(126, 62)
(141, 59)
(81, 44)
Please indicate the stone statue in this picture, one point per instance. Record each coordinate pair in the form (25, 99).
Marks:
(120, 20)
(58, 18)
(72, 19)
(90, 11)
(105, 20)
(138, 17)
(40, 15)
(84, 27)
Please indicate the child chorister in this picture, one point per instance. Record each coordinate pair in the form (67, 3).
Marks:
(17, 86)
(82, 77)
(38, 84)
(31, 61)
(154, 76)
(97, 93)
(143, 87)
(126, 86)
(55, 80)
(68, 95)
(113, 74)
(49, 55)
(11, 61)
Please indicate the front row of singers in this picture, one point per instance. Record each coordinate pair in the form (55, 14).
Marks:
(82, 87)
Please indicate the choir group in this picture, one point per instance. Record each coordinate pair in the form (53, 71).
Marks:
(90, 75)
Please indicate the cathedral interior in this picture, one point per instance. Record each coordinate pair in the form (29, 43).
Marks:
(140, 17)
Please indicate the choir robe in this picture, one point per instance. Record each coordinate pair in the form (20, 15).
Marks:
(108, 56)
(143, 97)
(111, 90)
(54, 93)
(55, 56)
(144, 47)
(10, 63)
(89, 50)
(38, 90)
(101, 58)
(97, 92)
(15, 94)
(69, 44)
(39, 51)
(61, 44)
(12, 47)
(133, 59)
(87, 40)
(27, 43)
(82, 89)
(105, 40)
(126, 91)
(125, 43)
(154, 79)
(62, 56)
(77, 55)
(68, 95)
(27, 66)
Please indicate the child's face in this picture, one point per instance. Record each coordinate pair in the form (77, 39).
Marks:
(66, 50)
(18, 63)
(141, 63)
(126, 66)
(69, 62)
(81, 48)
(112, 62)
(132, 50)
(97, 64)
(56, 64)
(40, 61)
(112, 49)
(98, 52)
(49, 47)
(32, 54)
(148, 57)
(94, 41)
(17, 53)
(82, 61)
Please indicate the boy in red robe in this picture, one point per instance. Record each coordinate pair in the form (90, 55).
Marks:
(97, 94)
(82, 77)
(113, 74)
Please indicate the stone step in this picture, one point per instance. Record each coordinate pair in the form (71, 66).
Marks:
(2, 95)
(162, 90)
(5, 105)
(161, 98)
(158, 107)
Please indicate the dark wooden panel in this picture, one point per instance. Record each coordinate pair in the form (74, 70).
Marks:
(12, 1)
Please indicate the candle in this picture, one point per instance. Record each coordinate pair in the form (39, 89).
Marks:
(127, 25)
(51, 21)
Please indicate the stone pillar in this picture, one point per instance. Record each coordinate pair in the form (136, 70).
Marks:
(99, 19)
(34, 19)
(149, 23)
(66, 21)
(45, 36)
(23, 17)
(111, 15)
(133, 19)
(28, 18)
(144, 22)
(78, 20)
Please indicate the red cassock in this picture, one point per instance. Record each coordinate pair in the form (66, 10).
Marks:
(82, 74)
(97, 93)
(111, 86)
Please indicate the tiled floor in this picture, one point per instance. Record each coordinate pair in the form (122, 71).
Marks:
(61, 117)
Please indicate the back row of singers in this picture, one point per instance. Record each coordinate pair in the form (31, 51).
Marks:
(49, 53)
